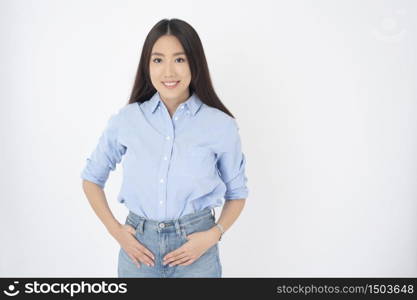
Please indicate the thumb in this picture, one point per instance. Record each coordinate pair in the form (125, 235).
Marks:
(131, 229)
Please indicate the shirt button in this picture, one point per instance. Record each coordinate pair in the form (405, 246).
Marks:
(176, 118)
(161, 202)
(165, 158)
(162, 180)
(168, 137)
(161, 225)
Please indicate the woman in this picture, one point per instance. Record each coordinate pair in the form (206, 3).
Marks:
(182, 156)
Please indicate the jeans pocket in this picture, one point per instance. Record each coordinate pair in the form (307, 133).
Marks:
(133, 223)
(203, 224)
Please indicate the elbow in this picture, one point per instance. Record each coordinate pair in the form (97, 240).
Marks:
(87, 185)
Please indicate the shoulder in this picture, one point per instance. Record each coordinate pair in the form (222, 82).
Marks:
(126, 112)
(128, 109)
(221, 120)
(119, 116)
(223, 128)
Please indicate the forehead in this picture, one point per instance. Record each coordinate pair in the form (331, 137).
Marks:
(168, 45)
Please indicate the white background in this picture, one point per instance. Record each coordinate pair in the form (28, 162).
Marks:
(324, 93)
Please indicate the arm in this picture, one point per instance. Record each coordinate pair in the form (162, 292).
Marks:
(98, 202)
(106, 155)
(124, 234)
(231, 164)
(230, 212)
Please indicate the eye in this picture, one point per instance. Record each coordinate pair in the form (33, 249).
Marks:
(181, 58)
(156, 59)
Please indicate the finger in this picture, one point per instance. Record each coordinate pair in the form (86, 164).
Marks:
(131, 230)
(134, 260)
(180, 261)
(137, 255)
(172, 259)
(188, 262)
(143, 258)
(146, 252)
(146, 260)
(174, 253)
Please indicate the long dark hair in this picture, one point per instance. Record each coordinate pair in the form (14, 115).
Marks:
(200, 83)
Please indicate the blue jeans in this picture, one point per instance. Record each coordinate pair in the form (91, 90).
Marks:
(163, 237)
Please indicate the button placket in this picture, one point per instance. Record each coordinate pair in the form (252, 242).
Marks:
(163, 171)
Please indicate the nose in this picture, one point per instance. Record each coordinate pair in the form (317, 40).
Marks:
(169, 71)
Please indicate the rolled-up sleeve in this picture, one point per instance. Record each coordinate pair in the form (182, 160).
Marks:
(107, 153)
(231, 163)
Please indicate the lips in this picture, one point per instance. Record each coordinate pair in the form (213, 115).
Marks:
(170, 84)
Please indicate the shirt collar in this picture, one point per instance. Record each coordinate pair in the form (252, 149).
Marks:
(193, 103)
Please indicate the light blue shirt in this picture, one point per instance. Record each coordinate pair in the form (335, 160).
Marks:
(171, 166)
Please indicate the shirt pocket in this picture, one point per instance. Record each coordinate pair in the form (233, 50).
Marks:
(199, 160)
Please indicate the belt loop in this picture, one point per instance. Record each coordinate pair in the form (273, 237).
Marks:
(214, 213)
(177, 227)
(141, 225)
(180, 230)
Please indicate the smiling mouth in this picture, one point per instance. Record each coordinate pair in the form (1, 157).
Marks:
(170, 84)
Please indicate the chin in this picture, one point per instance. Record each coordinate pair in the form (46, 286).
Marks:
(176, 91)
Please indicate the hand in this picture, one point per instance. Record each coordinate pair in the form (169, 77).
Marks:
(125, 235)
(198, 243)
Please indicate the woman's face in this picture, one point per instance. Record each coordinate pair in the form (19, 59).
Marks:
(169, 69)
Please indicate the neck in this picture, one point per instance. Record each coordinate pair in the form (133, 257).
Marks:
(173, 103)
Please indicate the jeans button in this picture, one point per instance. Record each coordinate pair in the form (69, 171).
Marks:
(161, 225)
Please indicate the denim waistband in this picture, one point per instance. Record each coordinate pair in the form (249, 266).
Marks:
(178, 224)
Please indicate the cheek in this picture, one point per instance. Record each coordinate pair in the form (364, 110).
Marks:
(155, 72)
(155, 77)
(185, 74)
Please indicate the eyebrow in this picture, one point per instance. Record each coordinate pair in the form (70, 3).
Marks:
(160, 54)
